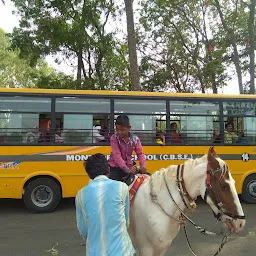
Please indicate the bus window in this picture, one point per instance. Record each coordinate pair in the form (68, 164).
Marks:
(101, 128)
(83, 119)
(140, 106)
(144, 126)
(19, 118)
(250, 129)
(44, 129)
(80, 105)
(82, 129)
(240, 122)
(240, 130)
(193, 122)
(25, 104)
(77, 128)
(146, 117)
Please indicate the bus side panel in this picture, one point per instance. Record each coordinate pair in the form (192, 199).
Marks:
(66, 163)
(10, 187)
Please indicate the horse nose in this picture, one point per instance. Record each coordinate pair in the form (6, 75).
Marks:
(240, 226)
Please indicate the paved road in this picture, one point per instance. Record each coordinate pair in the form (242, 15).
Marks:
(26, 234)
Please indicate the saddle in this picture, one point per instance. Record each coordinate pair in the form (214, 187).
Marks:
(135, 182)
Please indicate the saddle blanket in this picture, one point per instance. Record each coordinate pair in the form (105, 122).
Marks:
(133, 188)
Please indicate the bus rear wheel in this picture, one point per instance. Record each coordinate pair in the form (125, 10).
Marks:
(249, 189)
(42, 195)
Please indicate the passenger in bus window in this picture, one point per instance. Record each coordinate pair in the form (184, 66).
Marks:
(30, 137)
(44, 128)
(96, 136)
(59, 137)
(123, 143)
(160, 138)
(175, 136)
(3, 139)
(216, 138)
(229, 135)
(105, 133)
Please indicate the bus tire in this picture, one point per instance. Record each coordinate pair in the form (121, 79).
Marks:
(42, 195)
(249, 189)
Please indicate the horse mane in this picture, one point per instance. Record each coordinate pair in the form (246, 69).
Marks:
(190, 163)
(171, 170)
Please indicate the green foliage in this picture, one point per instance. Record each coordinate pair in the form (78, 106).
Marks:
(176, 43)
(186, 46)
(47, 78)
(14, 72)
(77, 31)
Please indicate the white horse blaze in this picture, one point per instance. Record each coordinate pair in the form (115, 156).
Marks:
(236, 199)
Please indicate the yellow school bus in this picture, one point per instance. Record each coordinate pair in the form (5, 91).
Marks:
(45, 136)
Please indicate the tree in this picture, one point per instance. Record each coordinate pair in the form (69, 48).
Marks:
(176, 42)
(252, 44)
(134, 70)
(74, 29)
(229, 28)
(14, 72)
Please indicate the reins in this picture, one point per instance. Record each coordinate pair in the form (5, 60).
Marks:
(184, 217)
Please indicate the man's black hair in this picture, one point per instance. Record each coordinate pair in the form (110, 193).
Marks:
(123, 120)
(96, 165)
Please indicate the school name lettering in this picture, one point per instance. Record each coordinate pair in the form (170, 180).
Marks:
(149, 157)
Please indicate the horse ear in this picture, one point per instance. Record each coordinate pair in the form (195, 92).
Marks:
(212, 158)
(212, 152)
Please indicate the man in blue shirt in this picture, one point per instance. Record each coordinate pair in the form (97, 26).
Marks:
(102, 212)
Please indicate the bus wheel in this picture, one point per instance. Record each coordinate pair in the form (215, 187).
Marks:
(42, 195)
(249, 189)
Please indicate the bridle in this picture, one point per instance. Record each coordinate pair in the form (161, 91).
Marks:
(190, 204)
(211, 181)
(186, 198)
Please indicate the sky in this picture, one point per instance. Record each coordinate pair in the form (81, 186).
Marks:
(8, 21)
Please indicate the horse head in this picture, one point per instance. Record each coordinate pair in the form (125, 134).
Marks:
(220, 193)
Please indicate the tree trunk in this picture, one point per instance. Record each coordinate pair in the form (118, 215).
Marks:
(235, 58)
(98, 70)
(208, 56)
(79, 70)
(238, 67)
(134, 70)
(252, 30)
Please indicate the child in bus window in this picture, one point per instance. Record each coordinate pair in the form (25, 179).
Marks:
(44, 129)
(216, 138)
(59, 138)
(160, 138)
(175, 136)
(123, 143)
(230, 136)
(96, 136)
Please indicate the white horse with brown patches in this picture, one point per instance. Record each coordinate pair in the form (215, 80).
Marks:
(155, 215)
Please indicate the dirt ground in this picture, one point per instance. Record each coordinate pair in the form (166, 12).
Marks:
(26, 234)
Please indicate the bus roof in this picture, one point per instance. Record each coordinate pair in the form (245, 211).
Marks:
(121, 93)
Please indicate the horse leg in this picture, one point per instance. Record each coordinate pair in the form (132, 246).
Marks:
(144, 237)
(148, 251)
